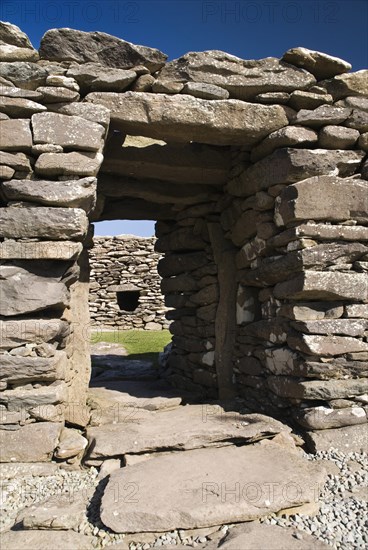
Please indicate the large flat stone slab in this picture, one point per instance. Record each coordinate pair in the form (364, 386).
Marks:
(40, 250)
(61, 513)
(43, 222)
(71, 194)
(74, 45)
(323, 198)
(351, 439)
(44, 540)
(14, 333)
(25, 292)
(186, 118)
(183, 428)
(29, 369)
(31, 443)
(141, 158)
(243, 78)
(207, 487)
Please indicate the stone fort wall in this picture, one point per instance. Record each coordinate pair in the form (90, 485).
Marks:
(125, 285)
(256, 173)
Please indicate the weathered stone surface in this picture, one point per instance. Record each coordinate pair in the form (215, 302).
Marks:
(79, 46)
(285, 137)
(18, 161)
(72, 194)
(174, 264)
(32, 443)
(358, 120)
(94, 77)
(327, 346)
(348, 327)
(321, 232)
(13, 53)
(284, 386)
(71, 444)
(186, 163)
(185, 118)
(332, 137)
(24, 399)
(314, 285)
(322, 418)
(350, 439)
(325, 114)
(122, 397)
(11, 34)
(323, 198)
(94, 113)
(57, 94)
(69, 164)
(143, 83)
(6, 173)
(14, 92)
(14, 333)
(352, 84)
(192, 497)
(45, 222)
(63, 81)
(25, 292)
(71, 132)
(11, 470)
(357, 310)
(301, 99)
(291, 165)
(276, 269)
(183, 428)
(180, 239)
(45, 539)
(205, 91)
(29, 369)
(20, 107)
(259, 536)
(321, 65)
(24, 74)
(244, 79)
(64, 512)
(15, 135)
(41, 250)
(363, 142)
(267, 98)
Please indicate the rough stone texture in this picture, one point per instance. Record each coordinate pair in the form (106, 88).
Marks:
(32, 443)
(316, 389)
(72, 194)
(14, 333)
(243, 79)
(15, 135)
(45, 539)
(24, 292)
(314, 285)
(319, 64)
(68, 131)
(184, 118)
(79, 46)
(32, 369)
(322, 418)
(122, 264)
(323, 198)
(20, 107)
(325, 114)
(94, 113)
(332, 137)
(352, 84)
(53, 223)
(290, 165)
(183, 428)
(94, 77)
(11, 34)
(42, 250)
(24, 74)
(69, 164)
(64, 513)
(192, 495)
(351, 439)
(285, 137)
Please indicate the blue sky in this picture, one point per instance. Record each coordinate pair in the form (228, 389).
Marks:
(250, 29)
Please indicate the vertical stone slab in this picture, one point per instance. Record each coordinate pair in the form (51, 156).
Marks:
(225, 324)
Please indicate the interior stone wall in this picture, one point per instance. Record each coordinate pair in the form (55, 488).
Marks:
(125, 263)
(256, 174)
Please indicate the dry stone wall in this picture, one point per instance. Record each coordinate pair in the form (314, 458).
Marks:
(124, 285)
(256, 173)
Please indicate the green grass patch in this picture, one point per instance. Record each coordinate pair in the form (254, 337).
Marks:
(140, 344)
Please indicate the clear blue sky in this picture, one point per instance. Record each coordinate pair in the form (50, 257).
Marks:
(250, 29)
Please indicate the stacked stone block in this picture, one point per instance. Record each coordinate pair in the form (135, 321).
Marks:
(122, 264)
